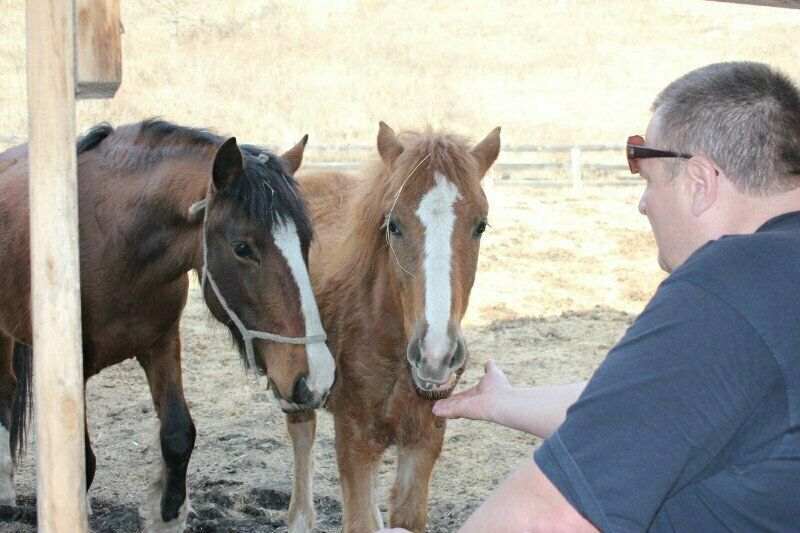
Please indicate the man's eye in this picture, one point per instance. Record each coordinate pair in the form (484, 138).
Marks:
(394, 230)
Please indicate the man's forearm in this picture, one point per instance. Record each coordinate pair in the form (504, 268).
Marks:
(535, 410)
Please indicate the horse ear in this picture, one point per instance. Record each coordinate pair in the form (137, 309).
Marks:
(389, 146)
(487, 150)
(228, 164)
(293, 157)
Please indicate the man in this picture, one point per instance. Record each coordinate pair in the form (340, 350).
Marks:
(692, 423)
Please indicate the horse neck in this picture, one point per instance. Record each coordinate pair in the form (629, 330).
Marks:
(168, 240)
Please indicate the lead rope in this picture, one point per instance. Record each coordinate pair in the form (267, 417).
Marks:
(247, 334)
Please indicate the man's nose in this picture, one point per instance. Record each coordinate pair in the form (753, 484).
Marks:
(642, 206)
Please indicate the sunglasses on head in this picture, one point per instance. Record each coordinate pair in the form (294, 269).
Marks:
(636, 150)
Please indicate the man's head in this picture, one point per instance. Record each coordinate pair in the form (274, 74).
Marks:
(737, 128)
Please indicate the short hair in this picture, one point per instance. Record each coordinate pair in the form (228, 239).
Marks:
(743, 115)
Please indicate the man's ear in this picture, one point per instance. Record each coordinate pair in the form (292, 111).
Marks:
(703, 183)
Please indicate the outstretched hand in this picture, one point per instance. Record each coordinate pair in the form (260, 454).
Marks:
(476, 403)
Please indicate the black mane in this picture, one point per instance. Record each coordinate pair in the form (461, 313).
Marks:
(253, 189)
(90, 139)
(157, 133)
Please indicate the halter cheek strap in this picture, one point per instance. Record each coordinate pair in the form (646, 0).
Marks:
(247, 334)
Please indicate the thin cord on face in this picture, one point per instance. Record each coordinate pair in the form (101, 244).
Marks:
(389, 217)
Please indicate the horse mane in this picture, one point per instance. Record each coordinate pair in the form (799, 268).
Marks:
(153, 141)
(371, 197)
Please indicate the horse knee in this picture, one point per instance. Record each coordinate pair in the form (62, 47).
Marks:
(177, 441)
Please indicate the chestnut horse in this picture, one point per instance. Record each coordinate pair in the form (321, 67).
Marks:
(392, 273)
(157, 200)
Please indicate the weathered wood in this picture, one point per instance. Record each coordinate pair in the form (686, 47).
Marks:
(791, 4)
(58, 368)
(98, 69)
(575, 164)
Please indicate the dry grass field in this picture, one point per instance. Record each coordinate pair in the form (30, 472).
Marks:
(560, 71)
(562, 273)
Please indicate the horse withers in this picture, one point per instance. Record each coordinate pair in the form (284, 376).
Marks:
(157, 200)
(396, 261)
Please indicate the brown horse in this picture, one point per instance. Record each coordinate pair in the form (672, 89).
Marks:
(393, 273)
(157, 200)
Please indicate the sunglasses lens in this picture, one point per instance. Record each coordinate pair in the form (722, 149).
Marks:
(633, 162)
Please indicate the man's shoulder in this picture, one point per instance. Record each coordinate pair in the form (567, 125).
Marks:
(768, 260)
(758, 276)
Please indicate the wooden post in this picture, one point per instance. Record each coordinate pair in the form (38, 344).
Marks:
(55, 281)
(575, 158)
(791, 4)
(98, 67)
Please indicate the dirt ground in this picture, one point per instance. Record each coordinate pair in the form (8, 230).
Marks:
(562, 274)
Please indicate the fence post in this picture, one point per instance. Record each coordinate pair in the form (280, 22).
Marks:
(55, 287)
(575, 158)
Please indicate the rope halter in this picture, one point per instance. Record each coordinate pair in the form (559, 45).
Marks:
(247, 334)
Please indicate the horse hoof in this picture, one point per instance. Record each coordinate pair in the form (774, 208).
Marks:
(7, 495)
(155, 524)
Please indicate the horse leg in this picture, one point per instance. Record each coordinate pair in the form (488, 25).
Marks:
(169, 504)
(357, 459)
(91, 460)
(302, 427)
(8, 389)
(408, 505)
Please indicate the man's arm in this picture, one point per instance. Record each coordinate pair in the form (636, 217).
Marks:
(535, 410)
(526, 501)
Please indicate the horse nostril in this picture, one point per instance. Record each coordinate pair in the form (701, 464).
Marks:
(459, 355)
(301, 394)
(414, 353)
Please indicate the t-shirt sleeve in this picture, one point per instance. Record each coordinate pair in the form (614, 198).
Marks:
(659, 409)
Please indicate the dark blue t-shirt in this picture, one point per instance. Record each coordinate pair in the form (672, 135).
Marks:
(692, 422)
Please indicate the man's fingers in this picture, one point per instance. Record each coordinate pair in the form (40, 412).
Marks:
(472, 391)
(450, 408)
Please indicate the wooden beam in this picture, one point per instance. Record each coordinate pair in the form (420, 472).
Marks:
(55, 280)
(98, 70)
(791, 4)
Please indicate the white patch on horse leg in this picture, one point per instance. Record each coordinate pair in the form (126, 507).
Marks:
(7, 494)
(321, 366)
(375, 499)
(407, 471)
(437, 214)
(301, 506)
(153, 521)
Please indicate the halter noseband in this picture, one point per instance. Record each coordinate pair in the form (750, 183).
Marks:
(247, 334)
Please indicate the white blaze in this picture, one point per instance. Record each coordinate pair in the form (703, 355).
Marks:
(437, 214)
(321, 366)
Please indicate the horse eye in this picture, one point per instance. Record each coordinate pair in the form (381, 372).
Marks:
(394, 230)
(480, 229)
(242, 250)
